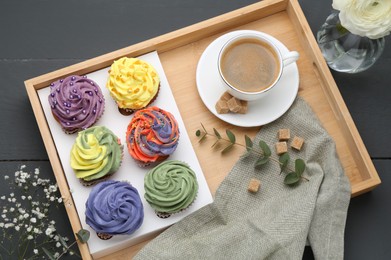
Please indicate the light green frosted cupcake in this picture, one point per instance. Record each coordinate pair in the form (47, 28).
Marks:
(170, 187)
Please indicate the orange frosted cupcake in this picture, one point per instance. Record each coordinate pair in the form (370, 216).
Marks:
(133, 84)
(152, 135)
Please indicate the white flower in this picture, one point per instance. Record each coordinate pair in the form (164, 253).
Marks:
(58, 244)
(30, 237)
(17, 228)
(2, 197)
(33, 220)
(6, 177)
(370, 18)
(1, 224)
(49, 231)
(35, 251)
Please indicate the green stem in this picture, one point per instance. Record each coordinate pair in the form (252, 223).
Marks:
(25, 249)
(5, 249)
(253, 150)
(66, 250)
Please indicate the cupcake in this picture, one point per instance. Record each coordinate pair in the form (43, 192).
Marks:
(114, 208)
(170, 187)
(76, 103)
(96, 154)
(152, 136)
(133, 84)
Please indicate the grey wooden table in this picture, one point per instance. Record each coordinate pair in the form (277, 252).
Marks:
(44, 35)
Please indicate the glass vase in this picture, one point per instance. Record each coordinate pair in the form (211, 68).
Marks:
(345, 51)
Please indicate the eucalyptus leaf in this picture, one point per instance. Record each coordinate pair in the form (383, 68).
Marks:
(284, 159)
(226, 149)
(198, 133)
(83, 235)
(231, 136)
(48, 253)
(262, 161)
(217, 134)
(265, 148)
(246, 154)
(291, 178)
(249, 143)
(299, 167)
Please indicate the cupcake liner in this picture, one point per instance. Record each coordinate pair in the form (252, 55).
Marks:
(104, 236)
(165, 215)
(142, 164)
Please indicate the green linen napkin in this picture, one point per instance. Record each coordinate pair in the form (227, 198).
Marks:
(276, 222)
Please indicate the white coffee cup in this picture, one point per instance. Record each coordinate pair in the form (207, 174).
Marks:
(250, 64)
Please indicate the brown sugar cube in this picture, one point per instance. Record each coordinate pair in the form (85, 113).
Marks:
(243, 107)
(234, 105)
(222, 107)
(281, 147)
(284, 134)
(297, 143)
(253, 185)
(226, 96)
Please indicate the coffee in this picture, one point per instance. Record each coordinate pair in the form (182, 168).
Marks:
(250, 65)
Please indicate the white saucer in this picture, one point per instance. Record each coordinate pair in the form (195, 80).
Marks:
(260, 112)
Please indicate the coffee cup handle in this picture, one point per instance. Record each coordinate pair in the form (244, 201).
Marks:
(290, 58)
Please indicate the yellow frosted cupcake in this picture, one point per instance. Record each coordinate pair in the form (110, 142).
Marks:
(133, 84)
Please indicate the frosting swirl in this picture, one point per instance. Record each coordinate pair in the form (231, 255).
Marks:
(170, 186)
(132, 83)
(114, 207)
(152, 133)
(96, 153)
(76, 102)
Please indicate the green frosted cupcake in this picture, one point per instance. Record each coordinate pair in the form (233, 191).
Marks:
(96, 154)
(170, 187)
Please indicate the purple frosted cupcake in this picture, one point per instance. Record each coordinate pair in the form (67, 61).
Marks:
(76, 103)
(114, 208)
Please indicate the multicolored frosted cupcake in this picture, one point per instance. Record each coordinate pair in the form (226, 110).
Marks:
(133, 84)
(170, 187)
(76, 103)
(114, 208)
(96, 154)
(152, 136)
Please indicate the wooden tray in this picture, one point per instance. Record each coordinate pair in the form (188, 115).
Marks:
(179, 52)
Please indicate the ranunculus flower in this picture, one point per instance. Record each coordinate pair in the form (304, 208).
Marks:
(370, 18)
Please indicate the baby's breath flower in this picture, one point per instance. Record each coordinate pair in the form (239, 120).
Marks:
(58, 244)
(6, 177)
(30, 237)
(33, 220)
(35, 251)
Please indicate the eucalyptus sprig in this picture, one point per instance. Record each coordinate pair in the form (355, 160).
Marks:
(265, 155)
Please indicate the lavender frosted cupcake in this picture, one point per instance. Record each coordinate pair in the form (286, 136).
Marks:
(114, 208)
(76, 103)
